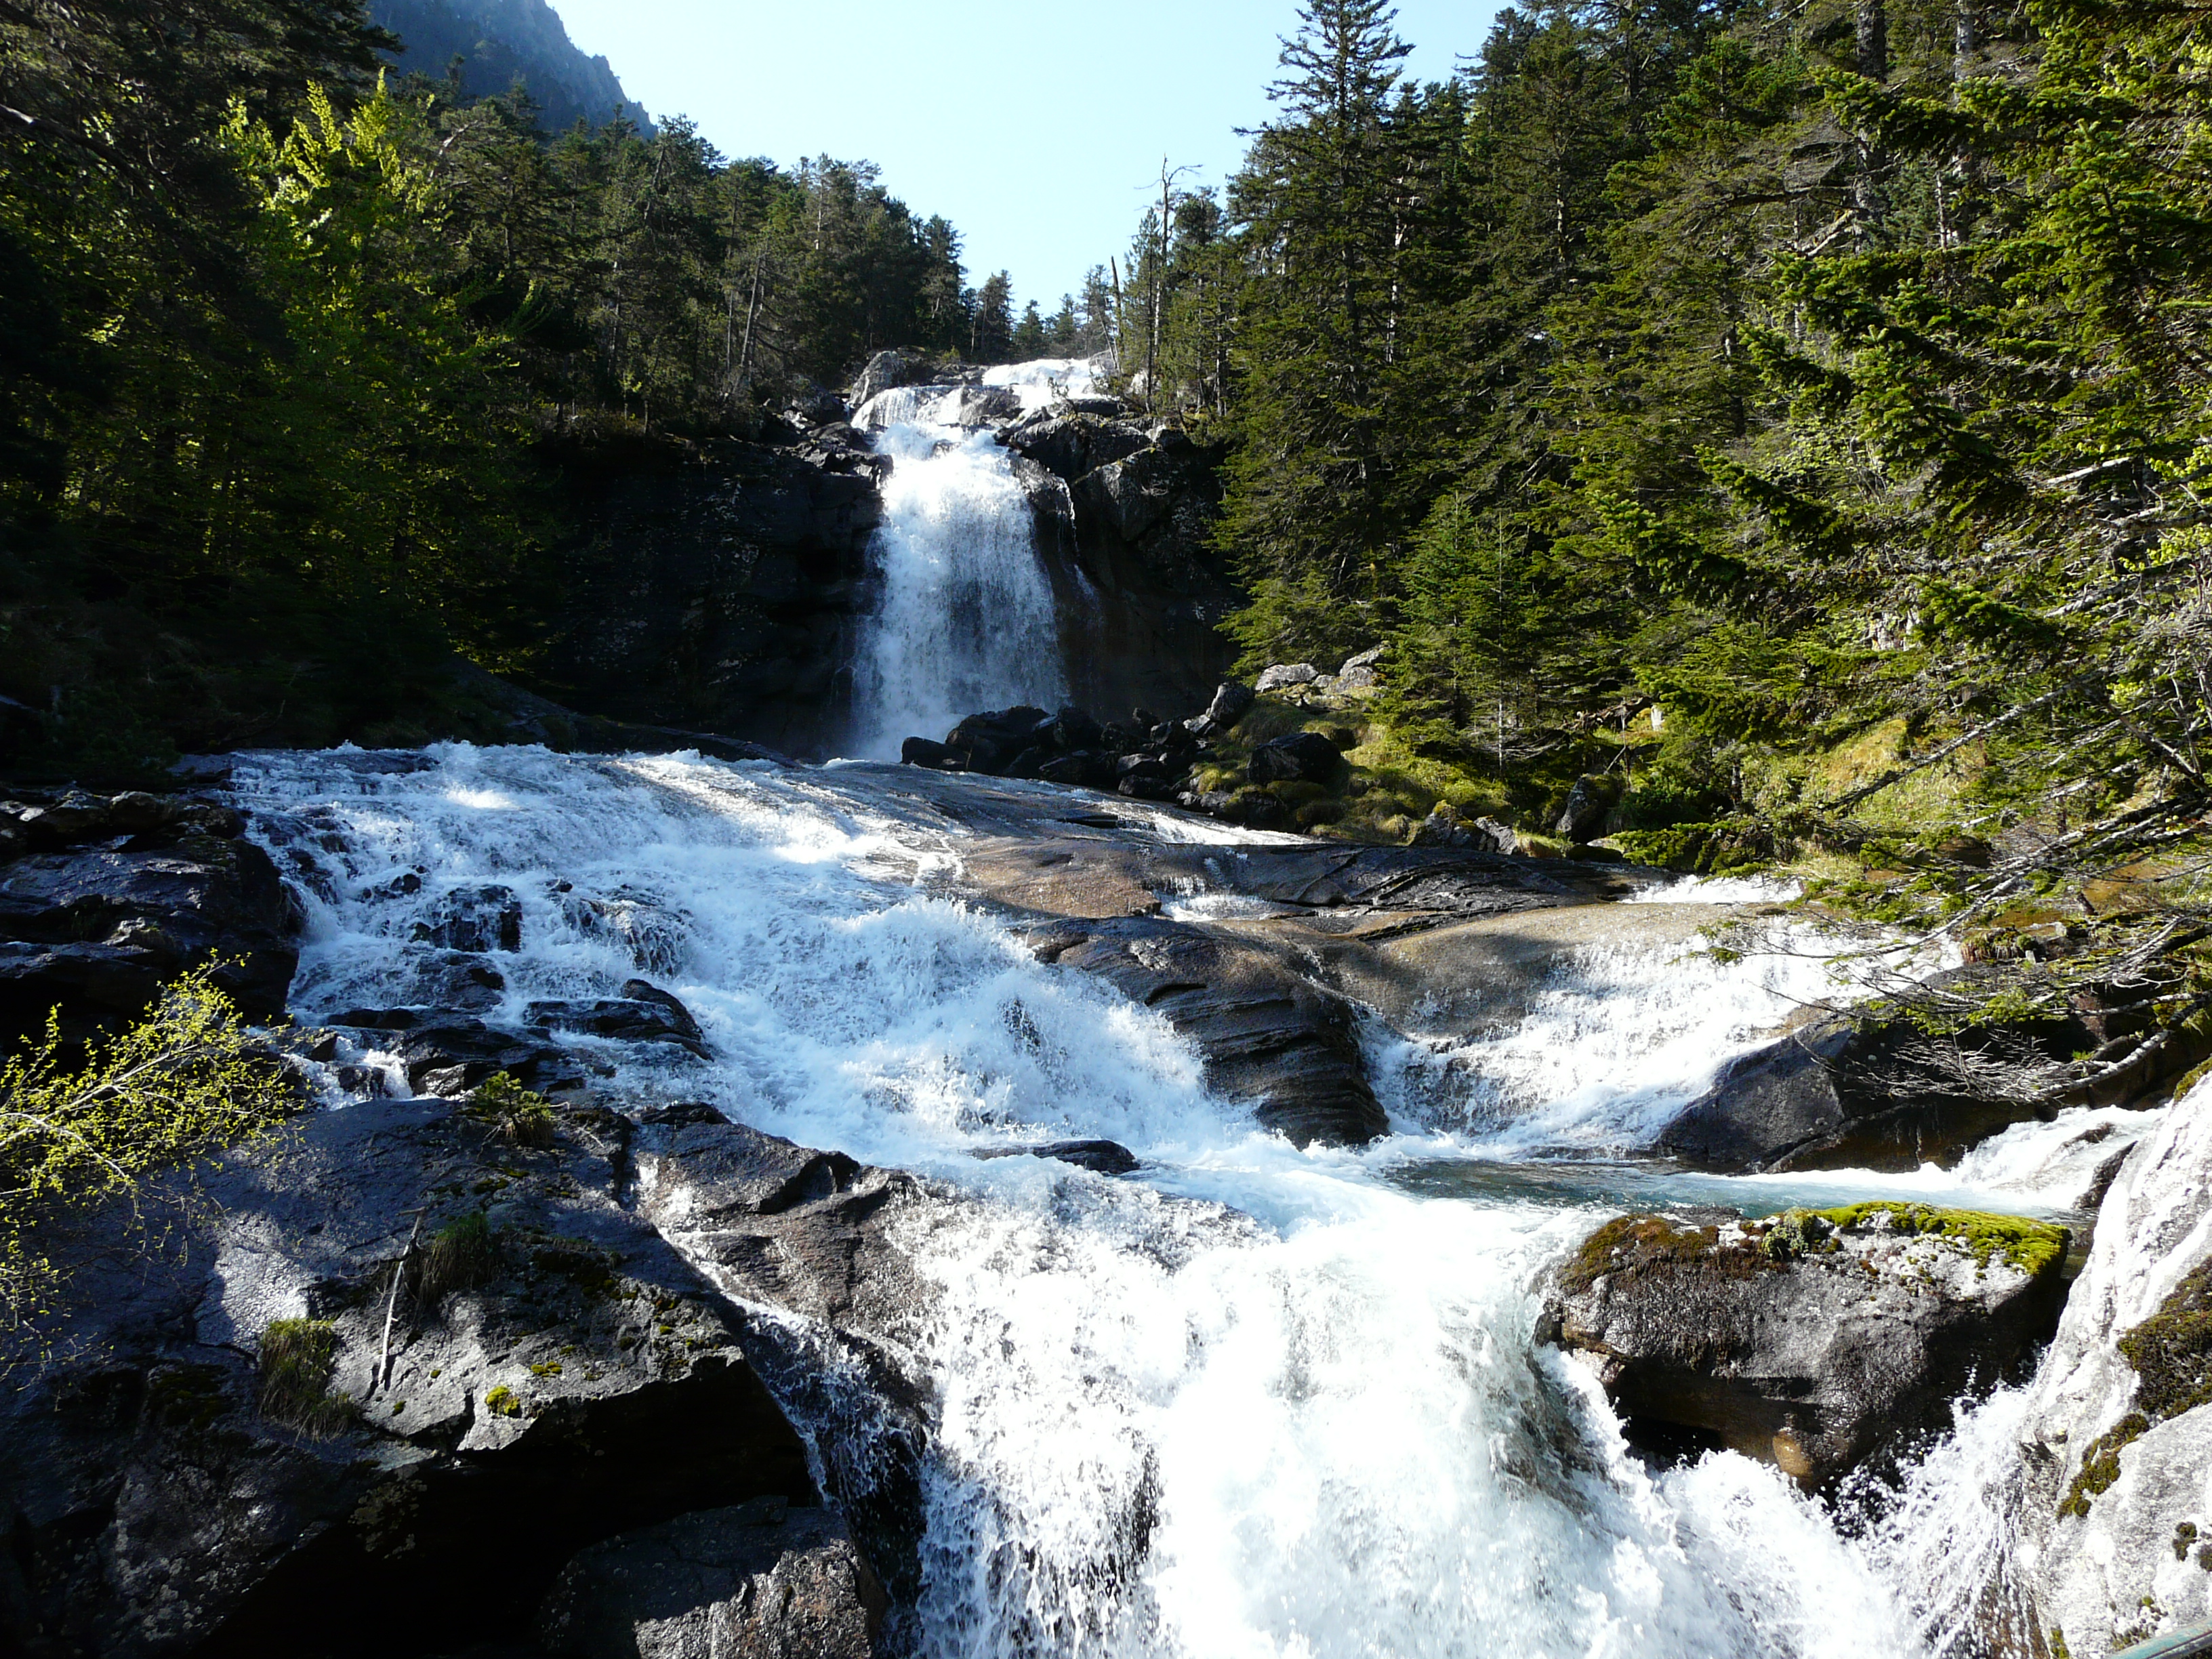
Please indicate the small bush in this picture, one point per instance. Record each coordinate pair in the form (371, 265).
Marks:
(460, 1256)
(181, 1085)
(521, 1117)
(297, 1358)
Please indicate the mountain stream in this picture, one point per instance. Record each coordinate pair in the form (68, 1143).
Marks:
(1250, 1402)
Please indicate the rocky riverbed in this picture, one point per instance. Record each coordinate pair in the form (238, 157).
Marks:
(959, 1191)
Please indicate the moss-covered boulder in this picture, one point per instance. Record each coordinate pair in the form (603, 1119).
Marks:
(1817, 1341)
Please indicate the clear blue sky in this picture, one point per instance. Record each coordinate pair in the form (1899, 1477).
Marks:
(1032, 124)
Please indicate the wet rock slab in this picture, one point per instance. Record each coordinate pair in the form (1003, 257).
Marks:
(1817, 1341)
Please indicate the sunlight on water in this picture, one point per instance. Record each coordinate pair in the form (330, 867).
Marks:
(1253, 1401)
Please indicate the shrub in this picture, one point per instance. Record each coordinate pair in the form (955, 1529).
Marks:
(297, 1358)
(519, 1115)
(175, 1089)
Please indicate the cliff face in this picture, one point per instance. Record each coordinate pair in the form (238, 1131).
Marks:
(714, 587)
(502, 41)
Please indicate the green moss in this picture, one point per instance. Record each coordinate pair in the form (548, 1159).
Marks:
(502, 1401)
(297, 1358)
(2034, 1247)
(2171, 1353)
(1633, 1244)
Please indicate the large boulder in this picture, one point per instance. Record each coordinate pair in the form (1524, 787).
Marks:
(1300, 757)
(254, 1445)
(1871, 1090)
(886, 371)
(97, 931)
(992, 742)
(759, 1581)
(1813, 1340)
(1582, 819)
(1270, 1038)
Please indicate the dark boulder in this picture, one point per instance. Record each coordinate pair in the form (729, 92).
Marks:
(653, 1017)
(761, 1581)
(98, 932)
(1146, 777)
(450, 1057)
(1301, 757)
(1107, 1158)
(1872, 1090)
(1073, 446)
(1084, 769)
(474, 919)
(1270, 1038)
(462, 981)
(927, 751)
(1074, 730)
(1583, 819)
(1816, 1341)
(993, 741)
(1231, 702)
(565, 1379)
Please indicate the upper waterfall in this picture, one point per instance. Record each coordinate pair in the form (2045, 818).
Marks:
(967, 618)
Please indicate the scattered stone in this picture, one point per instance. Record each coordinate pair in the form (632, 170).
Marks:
(1284, 677)
(1357, 677)
(1300, 757)
(654, 1017)
(1813, 1340)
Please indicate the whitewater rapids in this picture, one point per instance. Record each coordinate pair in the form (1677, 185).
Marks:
(1252, 1402)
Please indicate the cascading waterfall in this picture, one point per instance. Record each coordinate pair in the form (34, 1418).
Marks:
(966, 620)
(1253, 1401)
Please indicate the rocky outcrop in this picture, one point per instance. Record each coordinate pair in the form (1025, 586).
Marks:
(1862, 1090)
(1814, 1340)
(1271, 1038)
(716, 585)
(105, 899)
(2117, 1446)
(1125, 513)
(761, 1581)
(382, 1379)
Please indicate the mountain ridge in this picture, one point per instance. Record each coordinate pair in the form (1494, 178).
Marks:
(501, 42)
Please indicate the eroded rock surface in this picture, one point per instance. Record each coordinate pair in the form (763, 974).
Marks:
(556, 1375)
(109, 898)
(1868, 1092)
(1816, 1340)
(2115, 1472)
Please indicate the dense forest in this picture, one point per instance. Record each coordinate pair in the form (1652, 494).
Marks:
(288, 347)
(1791, 412)
(1796, 411)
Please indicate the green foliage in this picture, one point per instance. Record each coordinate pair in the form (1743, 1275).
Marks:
(459, 1255)
(502, 1401)
(183, 1084)
(517, 1115)
(297, 1358)
(2034, 1248)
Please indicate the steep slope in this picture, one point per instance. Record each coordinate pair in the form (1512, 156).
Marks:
(502, 41)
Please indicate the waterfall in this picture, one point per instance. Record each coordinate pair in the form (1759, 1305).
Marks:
(966, 619)
(1253, 1401)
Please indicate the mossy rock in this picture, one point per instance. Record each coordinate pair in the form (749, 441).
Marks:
(2034, 1248)
(1297, 792)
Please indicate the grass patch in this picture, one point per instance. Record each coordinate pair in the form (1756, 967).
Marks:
(460, 1256)
(297, 1358)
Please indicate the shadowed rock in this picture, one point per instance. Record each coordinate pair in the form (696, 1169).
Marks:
(1812, 1342)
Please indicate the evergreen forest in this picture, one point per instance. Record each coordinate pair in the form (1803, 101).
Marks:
(1793, 413)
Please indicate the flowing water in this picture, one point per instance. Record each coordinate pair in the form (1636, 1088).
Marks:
(966, 620)
(1250, 1402)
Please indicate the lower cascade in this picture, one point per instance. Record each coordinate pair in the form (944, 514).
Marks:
(1242, 1398)
(967, 610)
